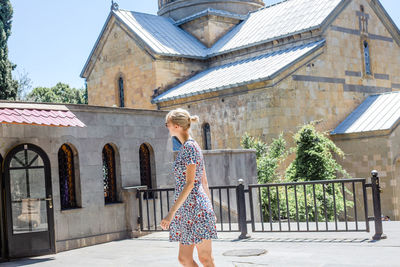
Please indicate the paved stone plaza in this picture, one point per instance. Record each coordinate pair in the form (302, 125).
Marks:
(283, 249)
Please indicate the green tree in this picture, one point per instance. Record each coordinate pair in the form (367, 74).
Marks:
(268, 157)
(24, 85)
(8, 86)
(314, 157)
(314, 161)
(61, 93)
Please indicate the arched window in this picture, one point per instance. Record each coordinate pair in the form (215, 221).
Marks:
(207, 136)
(66, 169)
(145, 168)
(367, 60)
(121, 91)
(109, 174)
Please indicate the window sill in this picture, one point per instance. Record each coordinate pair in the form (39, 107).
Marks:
(114, 203)
(72, 210)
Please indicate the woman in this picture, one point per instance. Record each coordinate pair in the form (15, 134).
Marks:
(191, 219)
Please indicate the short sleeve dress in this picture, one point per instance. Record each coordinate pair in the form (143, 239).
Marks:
(195, 219)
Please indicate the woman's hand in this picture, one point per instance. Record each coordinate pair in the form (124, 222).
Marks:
(166, 221)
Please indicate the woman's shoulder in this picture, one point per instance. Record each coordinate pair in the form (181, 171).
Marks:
(191, 144)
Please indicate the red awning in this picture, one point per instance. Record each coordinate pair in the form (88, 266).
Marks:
(38, 114)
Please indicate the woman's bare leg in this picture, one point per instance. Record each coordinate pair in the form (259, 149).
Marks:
(186, 255)
(204, 250)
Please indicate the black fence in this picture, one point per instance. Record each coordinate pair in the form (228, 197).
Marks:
(312, 206)
(154, 204)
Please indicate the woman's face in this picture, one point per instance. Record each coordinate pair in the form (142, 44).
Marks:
(174, 129)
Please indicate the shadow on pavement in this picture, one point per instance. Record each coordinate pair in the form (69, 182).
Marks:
(27, 261)
(277, 239)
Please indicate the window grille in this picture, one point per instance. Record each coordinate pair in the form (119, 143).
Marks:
(145, 168)
(67, 177)
(121, 91)
(109, 174)
(207, 136)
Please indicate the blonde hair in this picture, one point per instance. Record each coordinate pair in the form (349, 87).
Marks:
(181, 117)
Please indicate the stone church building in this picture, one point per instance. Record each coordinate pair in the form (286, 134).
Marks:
(244, 66)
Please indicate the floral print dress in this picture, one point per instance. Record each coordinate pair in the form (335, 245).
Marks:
(195, 219)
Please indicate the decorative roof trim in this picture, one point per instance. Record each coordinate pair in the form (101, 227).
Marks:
(210, 11)
(41, 106)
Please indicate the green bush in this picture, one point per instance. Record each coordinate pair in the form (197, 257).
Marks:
(268, 157)
(314, 161)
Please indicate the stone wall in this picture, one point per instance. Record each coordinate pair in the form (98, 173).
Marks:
(118, 55)
(210, 28)
(372, 151)
(126, 130)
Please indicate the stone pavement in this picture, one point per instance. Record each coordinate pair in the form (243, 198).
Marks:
(283, 249)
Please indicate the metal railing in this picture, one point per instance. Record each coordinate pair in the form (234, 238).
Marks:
(153, 209)
(312, 206)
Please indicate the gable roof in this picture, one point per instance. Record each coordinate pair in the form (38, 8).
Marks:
(276, 21)
(376, 113)
(161, 35)
(164, 37)
(260, 68)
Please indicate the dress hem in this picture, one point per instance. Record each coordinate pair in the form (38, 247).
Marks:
(194, 243)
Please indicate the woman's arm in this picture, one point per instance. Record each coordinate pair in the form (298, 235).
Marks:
(190, 175)
(204, 182)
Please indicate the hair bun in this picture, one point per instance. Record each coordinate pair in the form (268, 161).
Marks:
(194, 118)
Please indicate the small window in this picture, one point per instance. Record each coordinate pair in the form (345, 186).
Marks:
(207, 136)
(66, 169)
(109, 175)
(121, 92)
(367, 60)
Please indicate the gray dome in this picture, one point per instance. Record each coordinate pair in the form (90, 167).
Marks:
(178, 9)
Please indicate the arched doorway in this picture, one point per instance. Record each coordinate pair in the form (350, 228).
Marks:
(28, 202)
(146, 172)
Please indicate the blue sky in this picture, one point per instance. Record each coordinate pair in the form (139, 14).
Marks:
(51, 39)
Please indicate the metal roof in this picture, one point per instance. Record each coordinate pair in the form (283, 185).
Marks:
(376, 113)
(260, 68)
(275, 21)
(161, 35)
(48, 115)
